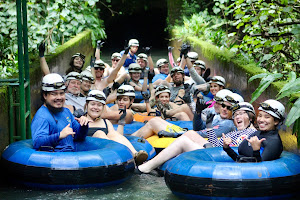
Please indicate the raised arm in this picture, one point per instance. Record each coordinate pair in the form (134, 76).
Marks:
(43, 63)
(115, 71)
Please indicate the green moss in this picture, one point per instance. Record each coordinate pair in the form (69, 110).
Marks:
(70, 43)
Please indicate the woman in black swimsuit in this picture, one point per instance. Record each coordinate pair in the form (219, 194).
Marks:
(103, 128)
(264, 144)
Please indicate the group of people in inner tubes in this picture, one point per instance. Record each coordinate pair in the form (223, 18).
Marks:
(75, 106)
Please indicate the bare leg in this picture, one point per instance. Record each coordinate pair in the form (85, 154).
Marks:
(117, 137)
(152, 127)
(195, 137)
(182, 116)
(180, 145)
(183, 108)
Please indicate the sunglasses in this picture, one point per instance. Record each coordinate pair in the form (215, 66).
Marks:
(98, 97)
(96, 68)
(122, 91)
(267, 106)
(231, 100)
(77, 77)
(215, 80)
(162, 88)
(218, 99)
(79, 55)
(54, 85)
(135, 68)
(227, 107)
(88, 78)
(115, 60)
(198, 64)
(237, 107)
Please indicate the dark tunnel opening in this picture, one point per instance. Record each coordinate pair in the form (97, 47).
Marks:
(143, 20)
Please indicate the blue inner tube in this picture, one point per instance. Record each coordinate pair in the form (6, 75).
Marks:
(95, 163)
(142, 144)
(212, 174)
(131, 128)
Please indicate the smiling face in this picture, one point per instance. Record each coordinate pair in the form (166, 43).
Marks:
(142, 63)
(214, 88)
(78, 62)
(86, 86)
(164, 97)
(56, 99)
(225, 113)
(94, 109)
(164, 69)
(133, 49)
(266, 122)
(114, 62)
(124, 102)
(135, 76)
(178, 78)
(199, 70)
(73, 86)
(99, 72)
(241, 119)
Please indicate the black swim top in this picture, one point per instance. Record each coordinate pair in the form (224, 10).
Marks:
(92, 130)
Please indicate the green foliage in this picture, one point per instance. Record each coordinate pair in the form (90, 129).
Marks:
(290, 88)
(203, 26)
(268, 31)
(54, 22)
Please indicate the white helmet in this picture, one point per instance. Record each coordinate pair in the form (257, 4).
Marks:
(134, 67)
(161, 89)
(100, 64)
(161, 62)
(133, 42)
(52, 82)
(243, 106)
(220, 96)
(274, 108)
(88, 68)
(176, 69)
(87, 76)
(234, 98)
(193, 56)
(96, 95)
(116, 55)
(199, 63)
(143, 56)
(218, 80)
(73, 76)
(126, 90)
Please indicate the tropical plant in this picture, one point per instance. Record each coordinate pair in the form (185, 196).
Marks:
(54, 22)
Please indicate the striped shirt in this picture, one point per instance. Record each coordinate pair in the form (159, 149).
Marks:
(236, 136)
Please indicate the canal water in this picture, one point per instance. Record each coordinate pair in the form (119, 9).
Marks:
(138, 187)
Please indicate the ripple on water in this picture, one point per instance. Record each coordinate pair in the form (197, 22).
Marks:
(139, 187)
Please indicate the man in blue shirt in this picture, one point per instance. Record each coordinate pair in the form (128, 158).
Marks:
(131, 57)
(53, 126)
